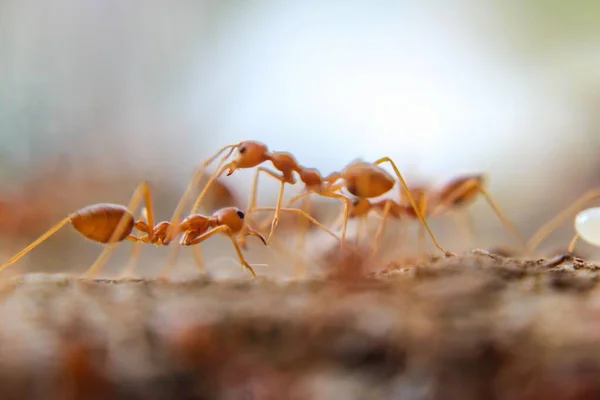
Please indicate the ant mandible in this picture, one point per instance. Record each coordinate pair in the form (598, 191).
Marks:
(586, 222)
(251, 154)
(110, 224)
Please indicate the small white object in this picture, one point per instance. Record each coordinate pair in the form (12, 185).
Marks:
(587, 225)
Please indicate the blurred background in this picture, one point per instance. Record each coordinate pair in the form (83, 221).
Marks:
(98, 96)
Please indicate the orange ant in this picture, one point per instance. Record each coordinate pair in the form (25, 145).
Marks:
(387, 208)
(366, 180)
(362, 179)
(457, 193)
(252, 154)
(111, 224)
(462, 191)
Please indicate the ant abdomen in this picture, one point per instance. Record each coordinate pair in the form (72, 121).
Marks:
(367, 181)
(99, 221)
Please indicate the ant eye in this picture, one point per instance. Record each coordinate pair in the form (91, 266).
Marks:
(240, 214)
(355, 202)
(242, 150)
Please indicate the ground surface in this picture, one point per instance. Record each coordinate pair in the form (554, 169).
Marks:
(471, 327)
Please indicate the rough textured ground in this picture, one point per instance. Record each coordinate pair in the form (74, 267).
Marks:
(472, 327)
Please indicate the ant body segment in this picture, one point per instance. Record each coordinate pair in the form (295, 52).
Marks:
(110, 224)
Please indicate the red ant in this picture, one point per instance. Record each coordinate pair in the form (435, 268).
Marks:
(111, 224)
(453, 195)
(366, 180)
(362, 179)
(251, 154)
(462, 191)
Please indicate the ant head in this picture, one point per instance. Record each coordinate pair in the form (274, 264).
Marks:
(360, 207)
(249, 155)
(232, 217)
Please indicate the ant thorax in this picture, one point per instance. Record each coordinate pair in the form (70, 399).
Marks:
(311, 178)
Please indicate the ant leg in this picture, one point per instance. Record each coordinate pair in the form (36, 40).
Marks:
(197, 251)
(173, 257)
(337, 223)
(424, 209)
(171, 262)
(421, 245)
(250, 232)
(298, 197)
(508, 225)
(412, 202)
(554, 223)
(465, 224)
(304, 215)
(308, 193)
(300, 265)
(175, 218)
(254, 193)
(227, 232)
(143, 224)
(331, 179)
(278, 210)
(280, 247)
(142, 193)
(384, 218)
(218, 172)
(359, 230)
(135, 255)
(35, 243)
(571, 248)
(345, 215)
(275, 220)
(331, 194)
(402, 228)
(347, 207)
